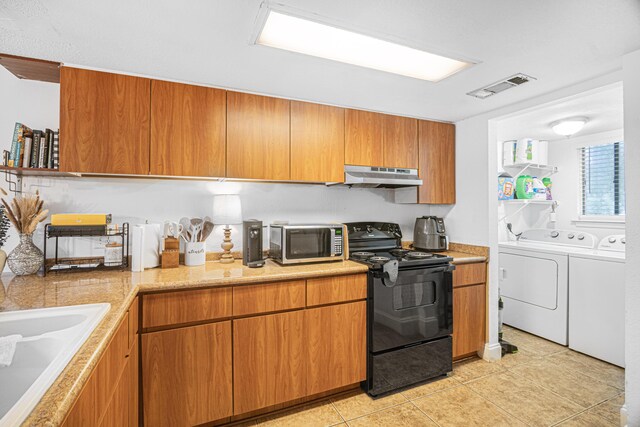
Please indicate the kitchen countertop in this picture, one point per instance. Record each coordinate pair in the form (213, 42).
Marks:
(119, 288)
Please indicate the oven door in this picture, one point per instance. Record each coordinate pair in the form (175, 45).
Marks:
(417, 308)
(308, 244)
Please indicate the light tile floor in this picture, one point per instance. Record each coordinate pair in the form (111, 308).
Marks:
(544, 384)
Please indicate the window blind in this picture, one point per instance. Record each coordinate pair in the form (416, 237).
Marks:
(602, 169)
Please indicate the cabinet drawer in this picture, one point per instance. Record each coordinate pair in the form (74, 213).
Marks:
(174, 308)
(470, 274)
(330, 290)
(268, 297)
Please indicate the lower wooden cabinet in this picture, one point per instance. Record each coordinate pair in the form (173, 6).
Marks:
(186, 375)
(117, 413)
(336, 346)
(469, 313)
(133, 366)
(268, 360)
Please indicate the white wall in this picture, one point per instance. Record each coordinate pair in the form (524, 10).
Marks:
(631, 71)
(566, 183)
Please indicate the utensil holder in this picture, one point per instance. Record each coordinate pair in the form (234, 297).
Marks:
(194, 253)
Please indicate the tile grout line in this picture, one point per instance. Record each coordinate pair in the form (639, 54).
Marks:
(499, 407)
(374, 412)
(338, 412)
(425, 414)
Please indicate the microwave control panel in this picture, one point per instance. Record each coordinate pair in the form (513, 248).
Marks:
(337, 241)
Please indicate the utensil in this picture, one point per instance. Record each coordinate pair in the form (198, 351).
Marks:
(197, 227)
(207, 228)
(186, 225)
(173, 229)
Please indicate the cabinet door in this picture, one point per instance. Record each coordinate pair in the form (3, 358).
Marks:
(134, 385)
(336, 346)
(257, 137)
(400, 142)
(317, 142)
(188, 130)
(186, 375)
(104, 122)
(117, 413)
(268, 360)
(469, 305)
(363, 138)
(437, 162)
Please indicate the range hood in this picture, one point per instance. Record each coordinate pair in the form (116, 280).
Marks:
(380, 177)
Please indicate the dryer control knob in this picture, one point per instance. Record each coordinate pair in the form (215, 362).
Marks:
(612, 239)
(554, 234)
(580, 236)
(571, 236)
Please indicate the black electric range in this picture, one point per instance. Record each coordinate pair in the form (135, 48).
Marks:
(409, 308)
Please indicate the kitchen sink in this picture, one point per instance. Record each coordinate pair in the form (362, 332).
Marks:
(50, 338)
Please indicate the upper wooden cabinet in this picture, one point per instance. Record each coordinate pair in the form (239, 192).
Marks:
(104, 122)
(317, 142)
(363, 138)
(437, 162)
(374, 139)
(257, 137)
(188, 130)
(400, 142)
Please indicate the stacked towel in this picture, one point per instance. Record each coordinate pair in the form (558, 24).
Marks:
(7, 349)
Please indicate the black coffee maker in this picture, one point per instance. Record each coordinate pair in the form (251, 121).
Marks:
(252, 243)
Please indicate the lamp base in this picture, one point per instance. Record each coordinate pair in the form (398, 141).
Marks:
(227, 245)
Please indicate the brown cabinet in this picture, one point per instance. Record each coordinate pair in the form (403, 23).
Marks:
(104, 122)
(336, 289)
(257, 137)
(363, 138)
(268, 297)
(374, 139)
(108, 398)
(186, 375)
(188, 130)
(268, 360)
(134, 384)
(317, 142)
(437, 162)
(336, 346)
(400, 142)
(469, 309)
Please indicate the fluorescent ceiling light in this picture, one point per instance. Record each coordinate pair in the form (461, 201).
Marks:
(568, 127)
(300, 35)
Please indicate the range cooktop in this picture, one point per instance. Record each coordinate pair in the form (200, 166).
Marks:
(405, 258)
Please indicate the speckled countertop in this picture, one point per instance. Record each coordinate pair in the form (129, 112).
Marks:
(120, 289)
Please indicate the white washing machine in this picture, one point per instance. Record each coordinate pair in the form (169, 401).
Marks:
(596, 300)
(534, 280)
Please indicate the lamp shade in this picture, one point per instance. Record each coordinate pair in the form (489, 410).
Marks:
(227, 209)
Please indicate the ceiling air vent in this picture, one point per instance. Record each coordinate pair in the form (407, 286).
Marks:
(500, 86)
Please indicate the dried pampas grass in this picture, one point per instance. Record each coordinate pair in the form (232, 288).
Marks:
(25, 212)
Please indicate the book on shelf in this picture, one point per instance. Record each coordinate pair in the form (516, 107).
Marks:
(56, 150)
(20, 132)
(35, 149)
(43, 142)
(26, 157)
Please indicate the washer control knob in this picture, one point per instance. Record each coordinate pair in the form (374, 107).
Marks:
(580, 236)
(612, 239)
(571, 236)
(554, 234)
(623, 241)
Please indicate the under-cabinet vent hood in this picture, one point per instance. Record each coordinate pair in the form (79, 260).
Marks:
(372, 177)
(501, 86)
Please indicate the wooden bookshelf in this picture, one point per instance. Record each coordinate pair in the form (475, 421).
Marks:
(31, 68)
(34, 171)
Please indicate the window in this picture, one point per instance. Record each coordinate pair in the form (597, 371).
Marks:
(602, 168)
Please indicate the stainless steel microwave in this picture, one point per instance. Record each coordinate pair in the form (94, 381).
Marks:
(300, 243)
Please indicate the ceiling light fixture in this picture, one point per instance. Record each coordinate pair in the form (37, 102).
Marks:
(570, 126)
(288, 32)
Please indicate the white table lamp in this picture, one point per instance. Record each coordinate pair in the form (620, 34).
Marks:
(227, 210)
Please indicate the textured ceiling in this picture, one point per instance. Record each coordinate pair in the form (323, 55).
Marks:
(207, 41)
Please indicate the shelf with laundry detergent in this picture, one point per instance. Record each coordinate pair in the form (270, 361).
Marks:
(540, 171)
(528, 202)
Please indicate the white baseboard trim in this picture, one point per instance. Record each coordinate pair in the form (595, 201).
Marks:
(491, 352)
(623, 415)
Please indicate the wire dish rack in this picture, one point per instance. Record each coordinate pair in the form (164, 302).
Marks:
(58, 264)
